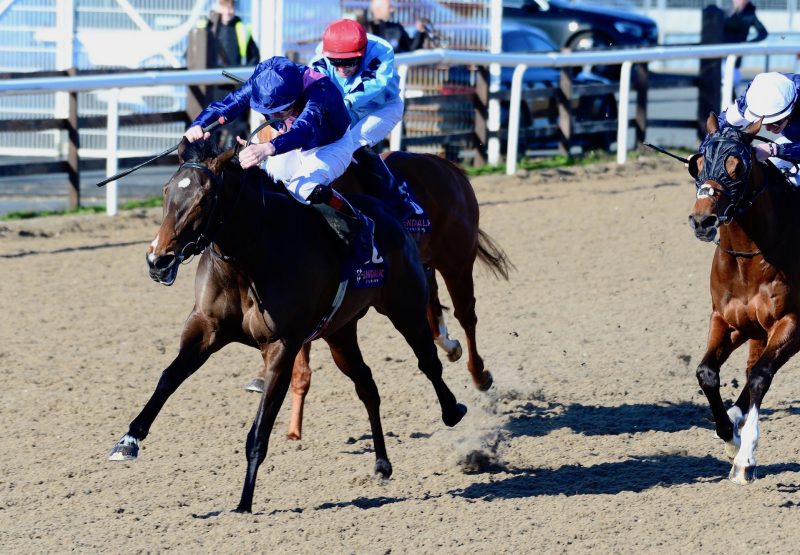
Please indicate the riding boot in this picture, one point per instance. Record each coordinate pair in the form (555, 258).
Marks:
(379, 181)
(353, 227)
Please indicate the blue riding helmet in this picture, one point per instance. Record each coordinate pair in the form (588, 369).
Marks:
(276, 84)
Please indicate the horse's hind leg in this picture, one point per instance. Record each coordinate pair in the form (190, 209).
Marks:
(347, 356)
(436, 321)
(783, 343)
(462, 292)
(410, 322)
(196, 346)
(278, 377)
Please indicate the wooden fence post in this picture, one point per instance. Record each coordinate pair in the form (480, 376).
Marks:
(565, 112)
(641, 103)
(73, 161)
(197, 58)
(481, 114)
(709, 81)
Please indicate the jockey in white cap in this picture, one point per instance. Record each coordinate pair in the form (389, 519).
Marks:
(771, 97)
(362, 68)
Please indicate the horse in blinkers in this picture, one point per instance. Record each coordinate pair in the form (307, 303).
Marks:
(755, 279)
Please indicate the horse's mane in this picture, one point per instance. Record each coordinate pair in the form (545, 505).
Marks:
(199, 151)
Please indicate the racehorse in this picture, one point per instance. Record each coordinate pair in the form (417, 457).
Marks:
(269, 277)
(455, 241)
(755, 279)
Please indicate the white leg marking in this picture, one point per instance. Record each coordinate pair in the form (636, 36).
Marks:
(732, 446)
(449, 345)
(750, 434)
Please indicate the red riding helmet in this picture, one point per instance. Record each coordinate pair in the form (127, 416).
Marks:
(344, 38)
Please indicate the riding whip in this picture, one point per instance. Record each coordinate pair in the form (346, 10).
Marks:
(668, 153)
(171, 149)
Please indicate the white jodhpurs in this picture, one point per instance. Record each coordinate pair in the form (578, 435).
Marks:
(374, 127)
(302, 170)
(788, 168)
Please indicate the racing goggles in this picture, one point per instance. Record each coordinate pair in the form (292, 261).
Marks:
(345, 62)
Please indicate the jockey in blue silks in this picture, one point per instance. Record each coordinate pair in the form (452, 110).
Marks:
(772, 97)
(313, 146)
(362, 68)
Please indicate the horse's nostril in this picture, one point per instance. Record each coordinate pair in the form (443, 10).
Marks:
(163, 262)
(709, 221)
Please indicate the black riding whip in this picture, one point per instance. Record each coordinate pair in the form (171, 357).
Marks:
(232, 77)
(668, 153)
(171, 149)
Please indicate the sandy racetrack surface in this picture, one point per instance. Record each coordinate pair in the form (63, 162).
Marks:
(595, 436)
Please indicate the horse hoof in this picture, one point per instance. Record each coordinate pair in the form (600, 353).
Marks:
(456, 353)
(742, 475)
(383, 468)
(126, 450)
(242, 509)
(487, 382)
(294, 436)
(256, 385)
(455, 417)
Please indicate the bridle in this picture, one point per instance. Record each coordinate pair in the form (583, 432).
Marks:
(212, 223)
(717, 150)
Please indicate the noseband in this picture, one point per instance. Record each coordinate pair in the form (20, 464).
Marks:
(730, 142)
(212, 223)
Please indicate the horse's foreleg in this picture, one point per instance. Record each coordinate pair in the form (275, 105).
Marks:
(437, 323)
(722, 341)
(276, 384)
(462, 292)
(195, 348)
(301, 381)
(783, 342)
(347, 356)
(739, 409)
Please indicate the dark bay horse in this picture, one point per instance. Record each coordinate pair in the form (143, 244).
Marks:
(755, 279)
(453, 245)
(268, 277)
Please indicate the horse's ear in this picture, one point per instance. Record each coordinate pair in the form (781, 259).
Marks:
(693, 165)
(754, 127)
(182, 148)
(219, 162)
(712, 124)
(734, 167)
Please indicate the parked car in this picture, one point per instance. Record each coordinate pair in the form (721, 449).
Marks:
(596, 107)
(581, 26)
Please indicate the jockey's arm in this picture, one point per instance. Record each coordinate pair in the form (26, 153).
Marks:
(378, 77)
(230, 107)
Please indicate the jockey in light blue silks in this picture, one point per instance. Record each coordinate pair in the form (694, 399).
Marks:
(362, 68)
(313, 146)
(772, 97)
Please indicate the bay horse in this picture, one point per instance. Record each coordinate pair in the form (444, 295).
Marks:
(455, 242)
(755, 279)
(269, 277)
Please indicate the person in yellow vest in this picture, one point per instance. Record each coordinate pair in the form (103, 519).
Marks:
(230, 44)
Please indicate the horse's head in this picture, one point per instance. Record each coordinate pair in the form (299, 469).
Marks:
(723, 177)
(191, 209)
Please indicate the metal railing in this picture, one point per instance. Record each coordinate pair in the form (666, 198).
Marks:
(441, 56)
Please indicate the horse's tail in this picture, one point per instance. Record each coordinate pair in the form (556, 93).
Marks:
(493, 256)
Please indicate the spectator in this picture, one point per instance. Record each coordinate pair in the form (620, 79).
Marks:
(230, 44)
(380, 24)
(736, 28)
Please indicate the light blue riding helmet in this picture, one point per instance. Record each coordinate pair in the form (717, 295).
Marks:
(276, 84)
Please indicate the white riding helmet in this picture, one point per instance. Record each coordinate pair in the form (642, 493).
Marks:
(770, 96)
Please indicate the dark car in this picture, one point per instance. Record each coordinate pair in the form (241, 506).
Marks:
(521, 39)
(582, 27)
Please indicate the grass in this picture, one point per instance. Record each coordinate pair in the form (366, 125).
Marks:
(130, 205)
